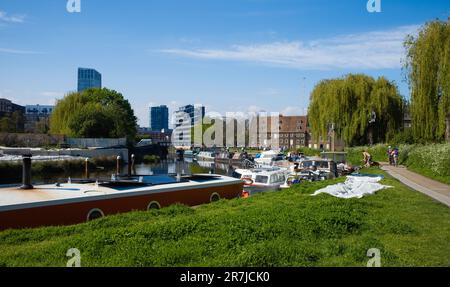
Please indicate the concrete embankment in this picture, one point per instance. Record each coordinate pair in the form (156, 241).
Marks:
(90, 153)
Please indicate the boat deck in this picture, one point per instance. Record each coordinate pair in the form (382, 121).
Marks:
(14, 198)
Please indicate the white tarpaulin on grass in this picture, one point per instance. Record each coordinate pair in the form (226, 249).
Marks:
(354, 187)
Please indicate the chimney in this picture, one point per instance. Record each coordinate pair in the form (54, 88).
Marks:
(26, 172)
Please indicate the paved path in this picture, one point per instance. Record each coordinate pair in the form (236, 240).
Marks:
(437, 190)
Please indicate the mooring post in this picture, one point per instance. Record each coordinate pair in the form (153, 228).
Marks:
(26, 172)
(118, 165)
(132, 164)
(86, 168)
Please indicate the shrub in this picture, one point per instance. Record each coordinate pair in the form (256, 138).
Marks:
(151, 159)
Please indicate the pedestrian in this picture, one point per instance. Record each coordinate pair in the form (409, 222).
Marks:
(395, 154)
(389, 153)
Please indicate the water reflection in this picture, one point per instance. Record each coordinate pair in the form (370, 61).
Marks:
(170, 166)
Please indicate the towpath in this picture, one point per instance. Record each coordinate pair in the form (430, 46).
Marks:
(437, 190)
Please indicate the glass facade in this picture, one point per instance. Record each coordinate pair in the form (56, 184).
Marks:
(195, 113)
(182, 133)
(159, 118)
(88, 78)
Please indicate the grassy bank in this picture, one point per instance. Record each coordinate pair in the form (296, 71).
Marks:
(287, 228)
(432, 160)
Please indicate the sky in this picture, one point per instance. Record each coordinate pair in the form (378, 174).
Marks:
(228, 55)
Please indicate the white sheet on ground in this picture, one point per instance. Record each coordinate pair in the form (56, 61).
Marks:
(354, 187)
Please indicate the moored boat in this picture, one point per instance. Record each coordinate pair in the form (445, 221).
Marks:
(262, 179)
(206, 155)
(79, 201)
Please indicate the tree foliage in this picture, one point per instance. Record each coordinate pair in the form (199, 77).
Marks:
(94, 113)
(12, 122)
(348, 103)
(428, 71)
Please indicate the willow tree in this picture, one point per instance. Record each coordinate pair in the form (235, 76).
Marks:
(94, 113)
(358, 106)
(428, 71)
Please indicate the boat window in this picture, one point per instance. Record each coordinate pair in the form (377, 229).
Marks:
(322, 164)
(307, 164)
(236, 174)
(277, 178)
(261, 179)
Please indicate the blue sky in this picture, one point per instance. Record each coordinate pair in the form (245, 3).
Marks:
(228, 55)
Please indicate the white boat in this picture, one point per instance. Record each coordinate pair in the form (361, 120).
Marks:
(206, 155)
(262, 179)
(270, 158)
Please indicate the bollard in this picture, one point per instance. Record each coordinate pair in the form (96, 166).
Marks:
(133, 169)
(26, 172)
(86, 168)
(118, 165)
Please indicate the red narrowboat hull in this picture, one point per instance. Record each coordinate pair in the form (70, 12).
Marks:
(77, 212)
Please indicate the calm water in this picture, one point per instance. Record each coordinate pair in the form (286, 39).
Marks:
(187, 166)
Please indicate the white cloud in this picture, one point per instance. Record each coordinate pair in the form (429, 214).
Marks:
(371, 50)
(20, 52)
(4, 17)
(293, 111)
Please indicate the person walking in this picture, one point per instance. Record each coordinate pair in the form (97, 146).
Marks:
(389, 153)
(395, 156)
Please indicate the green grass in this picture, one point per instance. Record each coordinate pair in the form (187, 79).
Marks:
(286, 228)
(430, 160)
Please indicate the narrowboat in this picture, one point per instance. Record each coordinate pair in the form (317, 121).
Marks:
(77, 201)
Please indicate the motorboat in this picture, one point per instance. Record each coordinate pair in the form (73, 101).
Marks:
(326, 166)
(271, 158)
(262, 179)
(223, 157)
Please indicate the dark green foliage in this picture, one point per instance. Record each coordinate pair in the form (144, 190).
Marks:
(349, 102)
(428, 72)
(403, 137)
(309, 151)
(286, 228)
(151, 159)
(12, 123)
(94, 113)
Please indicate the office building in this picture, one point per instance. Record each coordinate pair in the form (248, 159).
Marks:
(37, 118)
(88, 78)
(159, 118)
(185, 118)
(7, 107)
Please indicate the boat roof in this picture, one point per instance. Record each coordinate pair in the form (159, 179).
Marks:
(262, 170)
(12, 198)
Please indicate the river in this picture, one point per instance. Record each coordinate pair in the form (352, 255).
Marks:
(172, 166)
